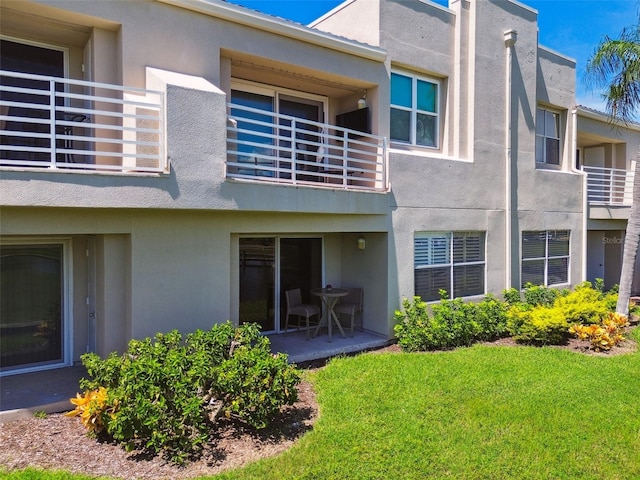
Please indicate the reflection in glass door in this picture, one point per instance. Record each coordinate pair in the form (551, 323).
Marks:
(31, 306)
(257, 281)
(268, 267)
(300, 267)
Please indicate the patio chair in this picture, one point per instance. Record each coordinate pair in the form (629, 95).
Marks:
(298, 309)
(351, 305)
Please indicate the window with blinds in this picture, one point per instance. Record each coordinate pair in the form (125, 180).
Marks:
(545, 257)
(450, 261)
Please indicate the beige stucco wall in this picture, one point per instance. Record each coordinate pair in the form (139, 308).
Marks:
(354, 20)
(167, 245)
(157, 271)
(462, 185)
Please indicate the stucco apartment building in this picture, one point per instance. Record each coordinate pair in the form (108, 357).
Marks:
(179, 163)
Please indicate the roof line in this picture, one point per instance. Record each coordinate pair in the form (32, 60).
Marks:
(557, 53)
(594, 114)
(268, 23)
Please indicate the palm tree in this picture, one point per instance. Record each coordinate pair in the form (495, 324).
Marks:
(615, 66)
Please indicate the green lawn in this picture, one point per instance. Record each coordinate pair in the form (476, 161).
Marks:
(477, 413)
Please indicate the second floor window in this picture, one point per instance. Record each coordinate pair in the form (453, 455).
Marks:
(547, 137)
(414, 110)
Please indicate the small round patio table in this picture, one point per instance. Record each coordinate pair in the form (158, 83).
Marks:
(329, 297)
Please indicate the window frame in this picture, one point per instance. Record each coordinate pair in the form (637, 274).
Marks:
(414, 110)
(546, 137)
(67, 321)
(547, 257)
(450, 259)
(281, 93)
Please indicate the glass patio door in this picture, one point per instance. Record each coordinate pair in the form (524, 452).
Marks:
(268, 267)
(31, 305)
(266, 141)
(257, 281)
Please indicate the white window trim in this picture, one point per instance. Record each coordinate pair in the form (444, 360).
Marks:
(67, 310)
(451, 265)
(277, 92)
(64, 50)
(414, 110)
(546, 258)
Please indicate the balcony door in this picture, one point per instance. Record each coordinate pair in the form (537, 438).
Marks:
(20, 99)
(270, 138)
(269, 266)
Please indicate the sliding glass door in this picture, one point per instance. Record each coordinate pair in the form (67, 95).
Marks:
(257, 281)
(268, 267)
(28, 100)
(31, 305)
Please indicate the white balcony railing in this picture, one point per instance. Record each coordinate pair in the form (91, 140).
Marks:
(609, 186)
(268, 147)
(64, 124)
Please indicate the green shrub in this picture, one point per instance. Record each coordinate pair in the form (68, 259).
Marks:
(491, 319)
(413, 327)
(539, 315)
(254, 384)
(169, 392)
(512, 296)
(453, 323)
(540, 295)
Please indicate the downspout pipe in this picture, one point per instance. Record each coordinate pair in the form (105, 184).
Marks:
(585, 203)
(510, 37)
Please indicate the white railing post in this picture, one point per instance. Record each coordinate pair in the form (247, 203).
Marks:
(294, 153)
(52, 125)
(345, 160)
(385, 165)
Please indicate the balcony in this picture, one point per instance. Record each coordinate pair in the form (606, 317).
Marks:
(609, 186)
(73, 125)
(268, 147)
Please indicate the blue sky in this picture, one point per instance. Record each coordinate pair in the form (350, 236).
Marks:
(571, 27)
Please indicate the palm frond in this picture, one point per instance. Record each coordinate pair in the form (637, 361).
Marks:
(615, 67)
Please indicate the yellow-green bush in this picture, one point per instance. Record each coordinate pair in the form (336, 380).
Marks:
(548, 323)
(537, 325)
(583, 305)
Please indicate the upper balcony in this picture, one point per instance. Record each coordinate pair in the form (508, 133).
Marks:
(609, 192)
(73, 125)
(609, 186)
(276, 148)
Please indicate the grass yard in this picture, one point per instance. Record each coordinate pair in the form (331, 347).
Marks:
(483, 412)
(479, 413)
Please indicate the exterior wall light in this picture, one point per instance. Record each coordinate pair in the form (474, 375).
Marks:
(362, 243)
(362, 102)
